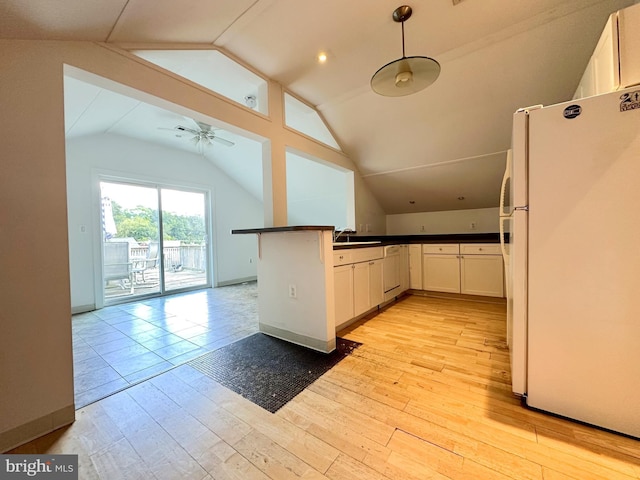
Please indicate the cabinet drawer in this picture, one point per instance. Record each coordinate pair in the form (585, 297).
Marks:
(342, 257)
(444, 248)
(365, 254)
(356, 255)
(480, 249)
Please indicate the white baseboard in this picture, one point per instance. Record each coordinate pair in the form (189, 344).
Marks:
(36, 428)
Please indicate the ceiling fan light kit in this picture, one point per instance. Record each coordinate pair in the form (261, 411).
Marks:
(405, 75)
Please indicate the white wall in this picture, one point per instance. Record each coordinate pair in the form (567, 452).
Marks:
(123, 157)
(370, 218)
(317, 194)
(453, 221)
(302, 260)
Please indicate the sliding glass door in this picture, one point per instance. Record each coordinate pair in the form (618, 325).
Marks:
(153, 240)
(184, 239)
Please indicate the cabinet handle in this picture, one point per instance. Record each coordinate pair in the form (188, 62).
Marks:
(440, 248)
(372, 263)
(480, 249)
(341, 257)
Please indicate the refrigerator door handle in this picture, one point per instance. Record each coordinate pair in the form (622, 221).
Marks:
(505, 179)
(505, 256)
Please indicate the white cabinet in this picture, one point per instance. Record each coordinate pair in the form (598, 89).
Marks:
(601, 75)
(615, 62)
(472, 269)
(343, 287)
(404, 268)
(367, 286)
(629, 45)
(415, 267)
(376, 288)
(441, 268)
(358, 282)
(481, 270)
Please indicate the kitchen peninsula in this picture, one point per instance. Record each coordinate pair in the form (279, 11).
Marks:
(309, 286)
(295, 284)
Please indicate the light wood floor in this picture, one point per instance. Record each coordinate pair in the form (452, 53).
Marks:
(426, 397)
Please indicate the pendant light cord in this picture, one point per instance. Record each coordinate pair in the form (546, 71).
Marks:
(403, 55)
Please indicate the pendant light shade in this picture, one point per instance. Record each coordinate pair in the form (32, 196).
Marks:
(405, 75)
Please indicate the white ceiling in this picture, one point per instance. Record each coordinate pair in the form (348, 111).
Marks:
(442, 143)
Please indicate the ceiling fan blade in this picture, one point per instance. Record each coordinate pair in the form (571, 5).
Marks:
(195, 140)
(223, 141)
(192, 131)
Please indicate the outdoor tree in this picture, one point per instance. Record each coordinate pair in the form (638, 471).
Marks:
(141, 223)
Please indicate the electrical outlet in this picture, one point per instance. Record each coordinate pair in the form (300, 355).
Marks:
(472, 225)
(250, 260)
(422, 228)
(368, 228)
(292, 291)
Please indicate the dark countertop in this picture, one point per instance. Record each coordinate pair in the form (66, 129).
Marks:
(291, 228)
(409, 239)
(383, 239)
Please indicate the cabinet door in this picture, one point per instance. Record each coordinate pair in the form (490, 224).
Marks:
(629, 44)
(404, 268)
(605, 59)
(441, 273)
(343, 286)
(361, 289)
(415, 267)
(482, 275)
(602, 74)
(376, 284)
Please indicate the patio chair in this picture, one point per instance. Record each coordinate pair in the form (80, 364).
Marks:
(117, 265)
(150, 262)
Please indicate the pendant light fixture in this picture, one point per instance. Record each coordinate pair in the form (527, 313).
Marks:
(405, 75)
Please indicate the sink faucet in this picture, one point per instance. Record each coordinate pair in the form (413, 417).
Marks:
(338, 233)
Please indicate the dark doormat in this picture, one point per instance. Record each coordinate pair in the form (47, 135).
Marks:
(269, 371)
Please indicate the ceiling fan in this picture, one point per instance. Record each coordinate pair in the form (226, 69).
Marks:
(202, 136)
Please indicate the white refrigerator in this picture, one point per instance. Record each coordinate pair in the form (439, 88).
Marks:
(570, 201)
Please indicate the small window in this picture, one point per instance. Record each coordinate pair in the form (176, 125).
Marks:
(306, 120)
(215, 71)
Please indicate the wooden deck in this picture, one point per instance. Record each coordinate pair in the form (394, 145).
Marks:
(173, 281)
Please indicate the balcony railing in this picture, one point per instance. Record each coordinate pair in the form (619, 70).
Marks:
(185, 257)
(184, 266)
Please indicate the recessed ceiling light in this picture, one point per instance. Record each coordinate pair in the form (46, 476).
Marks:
(322, 57)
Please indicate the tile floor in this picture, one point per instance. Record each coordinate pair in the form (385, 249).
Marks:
(121, 345)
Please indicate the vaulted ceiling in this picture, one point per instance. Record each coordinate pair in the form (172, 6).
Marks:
(429, 148)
